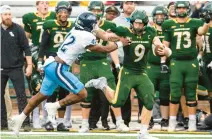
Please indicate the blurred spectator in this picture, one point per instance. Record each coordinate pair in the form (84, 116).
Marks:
(111, 13)
(171, 10)
(197, 7)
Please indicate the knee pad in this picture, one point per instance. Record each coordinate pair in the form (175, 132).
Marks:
(85, 105)
(191, 104)
(164, 102)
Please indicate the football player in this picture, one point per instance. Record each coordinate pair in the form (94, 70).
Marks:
(133, 74)
(57, 68)
(180, 36)
(160, 80)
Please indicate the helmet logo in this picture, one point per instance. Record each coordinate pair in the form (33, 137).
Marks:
(138, 21)
(159, 12)
(181, 5)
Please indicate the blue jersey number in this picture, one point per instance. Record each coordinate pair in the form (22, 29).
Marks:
(71, 40)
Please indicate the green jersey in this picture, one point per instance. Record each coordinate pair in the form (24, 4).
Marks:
(135, 55)
(104, 25)
(208, 46)
(182, 37)
(33, 24)
(151, 57)
(57, 33)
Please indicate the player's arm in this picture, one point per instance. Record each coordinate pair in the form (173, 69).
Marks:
(27, 27)
(111, 46)
(43, 47)
(106, 36)
(203, 29)
(115, 58)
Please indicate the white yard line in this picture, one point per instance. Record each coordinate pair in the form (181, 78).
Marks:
(5, 134)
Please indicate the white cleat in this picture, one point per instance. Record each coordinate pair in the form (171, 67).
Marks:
(145, 135)
(84, 128)
(99, 83)
(68, 124)
(51, 111)
(15, 124)
(172, 125)
(192, 125)
(122, 127)
(36, 124)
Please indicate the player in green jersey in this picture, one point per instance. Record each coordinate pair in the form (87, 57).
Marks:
(90, 67)
(207, 55)
(33, 23)
(180, 36)
(133, 74)
(160, 80)
(54, 34)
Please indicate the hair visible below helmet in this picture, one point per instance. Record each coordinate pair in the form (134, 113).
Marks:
(206, 12)
(183, 4)
(159, 10)
(86, 21)
(35, 82)
(99, 5)
(141, 17)
(63, 5)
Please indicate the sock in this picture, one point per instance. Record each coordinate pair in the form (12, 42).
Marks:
(68, 113)
(57, 105)
(23, 116)
(84, 120)
(118, 120)
(143, 128)
(60, 120)
(192, 117)
(44, 112)
(36, 114)
(172, 117)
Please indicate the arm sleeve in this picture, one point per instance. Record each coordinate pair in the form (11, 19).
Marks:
(44, 44)
(23, 41)
(120, 31)
(166, 32)
(27, 26)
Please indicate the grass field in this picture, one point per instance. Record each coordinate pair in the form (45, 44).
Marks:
(57, 135)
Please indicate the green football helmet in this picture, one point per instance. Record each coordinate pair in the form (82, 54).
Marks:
(99, 5)
(35, 82)
(206, 12)
(183, 4)
(139, 16)
(159, 10)
(63, 5)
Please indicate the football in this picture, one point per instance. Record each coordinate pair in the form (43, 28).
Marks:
(157, 49)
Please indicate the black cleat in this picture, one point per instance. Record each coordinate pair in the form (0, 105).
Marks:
(151, 123)
(185, 122)
(105, 125)
(164, 124)
(92, 126)
(49, 127)
(62, 127)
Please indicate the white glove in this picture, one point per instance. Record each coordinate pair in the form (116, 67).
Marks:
(199, 58)
(209, 65)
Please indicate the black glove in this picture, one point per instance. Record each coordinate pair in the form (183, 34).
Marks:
(205, 16)
(164, 68)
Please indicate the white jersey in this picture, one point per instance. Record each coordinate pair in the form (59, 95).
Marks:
(74, 44)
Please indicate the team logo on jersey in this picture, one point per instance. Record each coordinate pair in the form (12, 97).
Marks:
(54, 28)
(181, 25)
(11, 34)
(35, 20)
(173, 27)
(194, 65)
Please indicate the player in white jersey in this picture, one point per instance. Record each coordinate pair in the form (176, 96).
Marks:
(57, 69)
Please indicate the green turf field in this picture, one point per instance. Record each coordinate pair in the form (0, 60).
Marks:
(57, 135)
